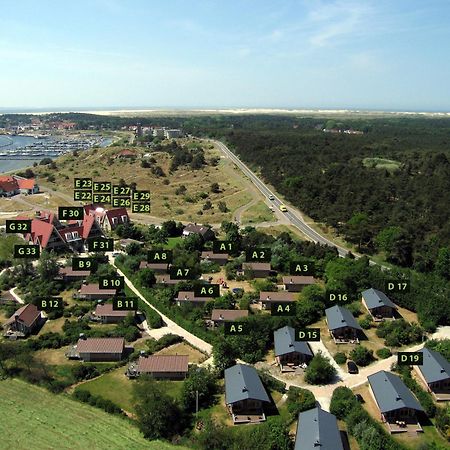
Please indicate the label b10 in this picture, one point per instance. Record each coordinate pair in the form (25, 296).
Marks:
(111, 283)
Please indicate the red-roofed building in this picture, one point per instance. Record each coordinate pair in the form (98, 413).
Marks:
(25, 320)
(108, 219)
(128, 154)
(13, 185)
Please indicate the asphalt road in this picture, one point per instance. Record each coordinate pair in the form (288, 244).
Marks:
(294, 217)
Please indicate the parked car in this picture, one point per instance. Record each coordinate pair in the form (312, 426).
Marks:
(359, 398)
(352, 367)
(271, 197)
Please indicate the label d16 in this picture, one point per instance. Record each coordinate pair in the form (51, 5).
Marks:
(236, 328)
(410, 358)
(26, 251)
(159, 256)
(111, 283)
(334, 296)
(125, 303)
(282, 309)
(258, 255)
(207, 290)
(18, 226)
(100, 245)
(307, 334)
(397, 285)
(50, 304)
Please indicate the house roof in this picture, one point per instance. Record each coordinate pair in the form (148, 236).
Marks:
(92, 288)
(338, 317)
(126, 152)
(26, 183)
(435, 367)
(88, 222)
(163, 363)
(108, 311)
(155, 266)
(317, 429)
(188, 296)
(285, 342)
(228, 314)
(165, 279)
(375, 298)
(277, 296)
(26, 314)
(116, 212)
(8, 184)
(68, 271)
(101, 345)
(206, 254)
(391, 393)
(298, 279)
(194, 228)
(41, 230)
(242, 382)
(256, 266)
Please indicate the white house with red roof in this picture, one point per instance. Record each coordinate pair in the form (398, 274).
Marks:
(13, 185)
(108, 219)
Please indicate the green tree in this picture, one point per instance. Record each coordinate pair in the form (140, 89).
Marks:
(200, 381)
(48, 267)
(146, 277)
(158, 415)
(443, 263)
(299, 400)
(361, 355)
(319, 371)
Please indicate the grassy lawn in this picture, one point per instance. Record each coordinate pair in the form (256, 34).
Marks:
(53, 421)
(55, 356)
(382, 163)
(276, 230)
(52, 326)
(182, 348)
(116, 387)
(172, 242)
(259, 212)
(7, 243)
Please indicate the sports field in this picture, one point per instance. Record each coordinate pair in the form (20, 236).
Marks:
(35, 418)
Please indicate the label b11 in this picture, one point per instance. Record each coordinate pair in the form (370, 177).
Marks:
(125, 303)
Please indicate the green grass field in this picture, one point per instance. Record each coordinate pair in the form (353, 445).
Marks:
(258, 212)
(35, 418)
(7, 243)
(381, 163)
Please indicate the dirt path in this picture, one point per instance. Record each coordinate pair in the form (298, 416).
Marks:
(174, 328)
(18, 299)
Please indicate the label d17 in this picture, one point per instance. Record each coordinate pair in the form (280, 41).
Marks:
(397, 285)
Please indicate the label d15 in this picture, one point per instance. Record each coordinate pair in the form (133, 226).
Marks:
(307, 334)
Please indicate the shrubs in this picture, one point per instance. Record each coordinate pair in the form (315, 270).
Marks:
(299, 400)
(154, 320)
(384, 353)
(366, 322)
(340, 358)
(319, 371)
(271, 383)
(97, 401)
(362, 355)
(168, 339)
(399, 332)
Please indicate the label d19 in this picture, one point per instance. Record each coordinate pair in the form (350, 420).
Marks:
(410, 358)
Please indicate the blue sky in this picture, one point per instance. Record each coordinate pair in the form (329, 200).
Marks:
(381, 54)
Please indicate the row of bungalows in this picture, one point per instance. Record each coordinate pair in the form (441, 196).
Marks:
(98, 349)
(25, 321)
(290, 353)
(172, 367)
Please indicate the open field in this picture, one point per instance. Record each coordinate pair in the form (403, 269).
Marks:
(381, 163)
(115, 386)
(57, 422)
(182, 348)
(259, 212)
(98, 162)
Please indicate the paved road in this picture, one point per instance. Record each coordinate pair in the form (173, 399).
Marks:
(294, 217)
(174, 328)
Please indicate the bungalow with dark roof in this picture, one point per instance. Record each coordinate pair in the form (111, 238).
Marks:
(106, 314)
(160, 268)
(188, 297)
(378, 304)
(317, 429)
(24, 321)
(205, 232)
(166, 367)
(93, 292)
(295, 283)
(290, 353)
(342, 325)
(68, 274)
(217, 258)
(98, 349)
(165, 280)
(219, 316)
(398, 406)
(266, 298)
(435, 374)
(256, 269)
(245, 395)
